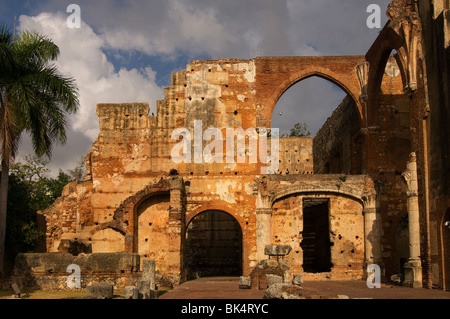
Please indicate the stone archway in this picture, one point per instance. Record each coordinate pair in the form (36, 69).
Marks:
(213, 245)
(277, 75)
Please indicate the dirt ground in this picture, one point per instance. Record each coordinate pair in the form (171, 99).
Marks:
(228, 288)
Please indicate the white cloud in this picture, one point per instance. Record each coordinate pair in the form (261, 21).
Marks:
(98, 82)
(169, 29)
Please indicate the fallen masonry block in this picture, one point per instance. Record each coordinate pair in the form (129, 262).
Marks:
(275, 291)
(148, 272)
(273, 279)
(297, 280)
(244, 282)
(131, 292)
(277, 250)
(101, 290)
(145, 291)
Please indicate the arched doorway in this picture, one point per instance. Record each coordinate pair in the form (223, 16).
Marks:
(151, 234)
(213, 245)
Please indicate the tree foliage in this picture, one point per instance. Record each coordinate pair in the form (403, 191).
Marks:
(300, 130)
(30, 190)
(34, 97)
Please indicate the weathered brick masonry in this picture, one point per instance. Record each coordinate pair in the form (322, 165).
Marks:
(195, 218)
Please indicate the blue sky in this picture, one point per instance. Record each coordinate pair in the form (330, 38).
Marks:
(126, 50)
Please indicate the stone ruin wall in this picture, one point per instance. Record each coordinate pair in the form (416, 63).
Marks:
(337, 146)
(133, 151)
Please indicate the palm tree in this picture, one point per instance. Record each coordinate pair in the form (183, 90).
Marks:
(34, 98)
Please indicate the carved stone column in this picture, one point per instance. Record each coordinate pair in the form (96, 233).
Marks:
(372, 233)
(263, 217)
(413, 268)
(176, 230)
(263, 231)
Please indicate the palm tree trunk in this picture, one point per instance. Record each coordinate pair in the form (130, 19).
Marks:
(3, 206)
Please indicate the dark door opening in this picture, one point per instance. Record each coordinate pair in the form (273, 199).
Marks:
(316, 236)
(213, 246)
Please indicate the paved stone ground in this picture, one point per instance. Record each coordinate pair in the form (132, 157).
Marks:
(228, 288)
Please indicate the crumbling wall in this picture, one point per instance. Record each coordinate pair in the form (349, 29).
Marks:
(335, 147)
(68, 215)
(296, 155)
(134, 151)
(344, 217)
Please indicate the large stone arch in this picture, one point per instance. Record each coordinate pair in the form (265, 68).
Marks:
(125, 216)
(274, 76)
(301, 190)
(216, 205)
(378, 57)
(359, 188)
(213, 244)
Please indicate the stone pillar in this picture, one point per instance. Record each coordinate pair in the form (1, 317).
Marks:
(263, 231)
(372, 234)
(148, 272)
(413, 268)
(130, 243)
(176, 230)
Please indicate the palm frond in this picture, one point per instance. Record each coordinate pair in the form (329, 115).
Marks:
(6, 55)
(35, 49)
(42, 98)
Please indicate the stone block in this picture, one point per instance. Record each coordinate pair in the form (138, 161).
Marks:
(277, 250)
(145, 291)
(74, 247)
(16, 289)
(122, 262)
(297, 280)
(268, 263)
(273, 279)
(101, 290)
(131, 292)
(148, 272)
(244, 282)
(42, 263)
(275, 291)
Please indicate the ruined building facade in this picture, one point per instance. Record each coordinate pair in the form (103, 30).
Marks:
(371, 188)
